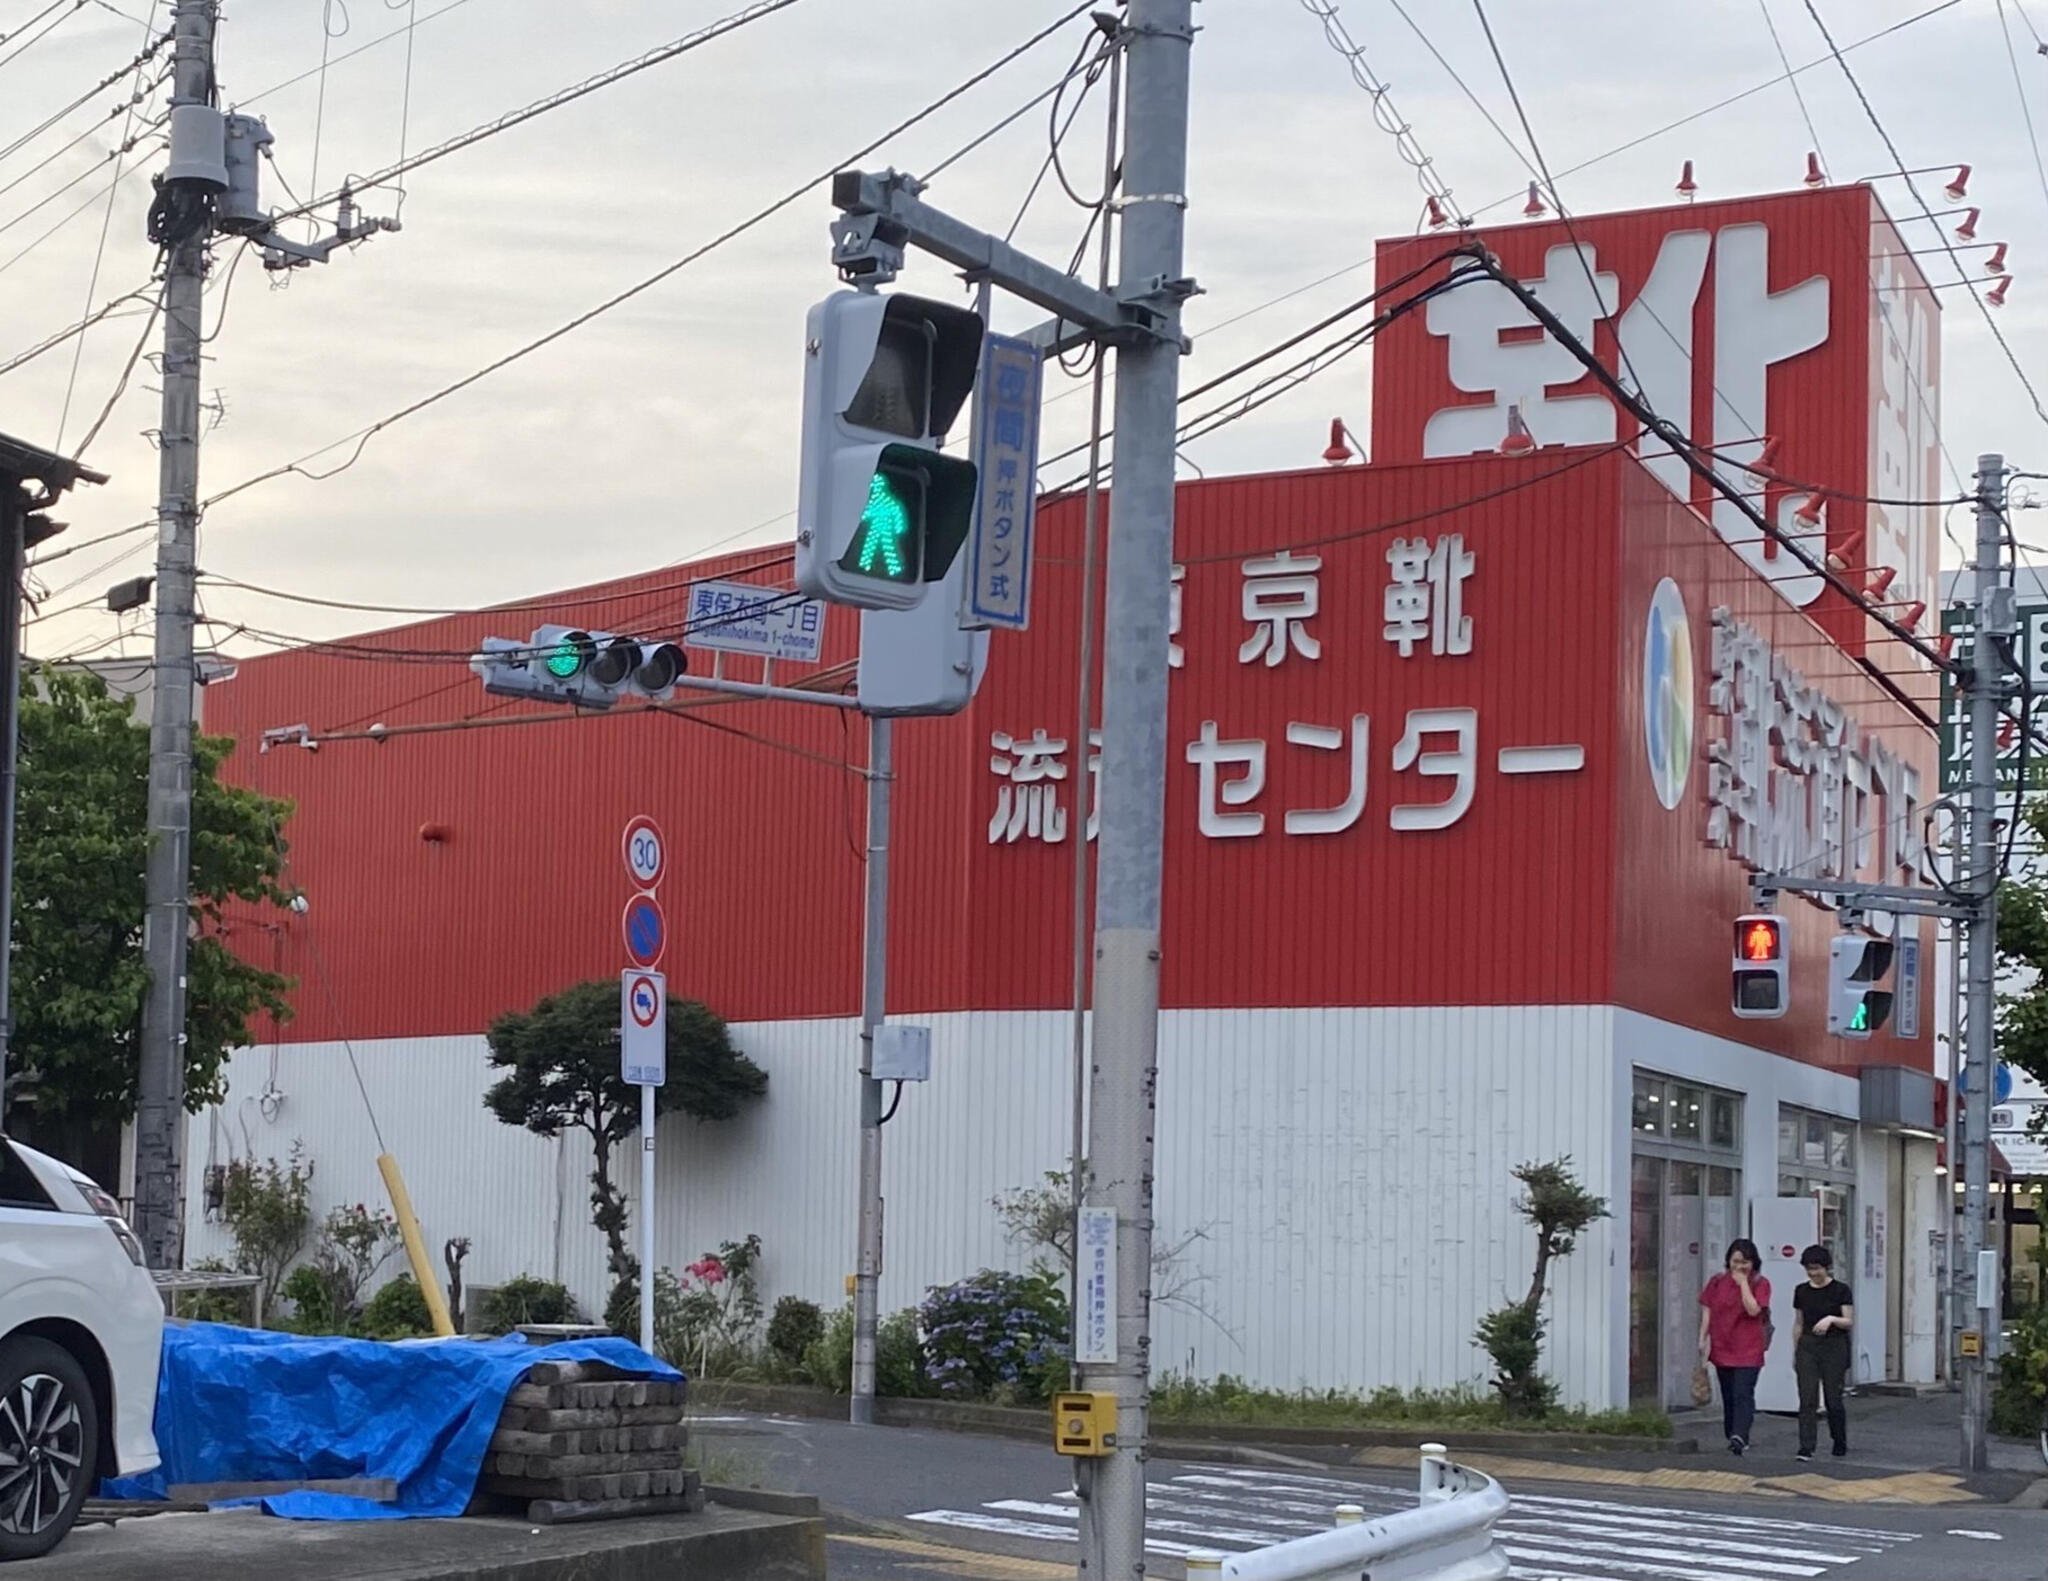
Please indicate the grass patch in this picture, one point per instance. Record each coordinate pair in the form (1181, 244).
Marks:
(1226, 1400)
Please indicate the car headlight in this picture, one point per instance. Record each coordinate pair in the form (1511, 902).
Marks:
(110, 1215)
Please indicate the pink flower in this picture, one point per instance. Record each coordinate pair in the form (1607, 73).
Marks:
(708, 1269)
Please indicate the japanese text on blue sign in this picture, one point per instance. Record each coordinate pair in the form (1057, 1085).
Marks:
(1006, 503)
(1096, 1331)
(744, 617)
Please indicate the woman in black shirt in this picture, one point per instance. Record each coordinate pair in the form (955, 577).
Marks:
(1824, 1310)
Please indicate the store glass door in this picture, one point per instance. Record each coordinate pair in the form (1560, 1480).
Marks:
(1646, 1225)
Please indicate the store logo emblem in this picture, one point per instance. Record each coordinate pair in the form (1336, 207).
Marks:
(1668, 693)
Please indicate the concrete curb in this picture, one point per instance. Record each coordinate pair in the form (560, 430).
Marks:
(1196, 1440)
(2034, 1496)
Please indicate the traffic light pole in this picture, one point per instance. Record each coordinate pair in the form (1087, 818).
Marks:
(874, 987)
(1142, 320)
(1130, 849)
(160, 1115)
(1971, 904)
(1995, 619)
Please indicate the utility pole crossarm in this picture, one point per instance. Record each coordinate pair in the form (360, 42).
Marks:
(905, 220)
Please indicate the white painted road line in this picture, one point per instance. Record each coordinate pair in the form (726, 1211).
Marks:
(1545, 1538)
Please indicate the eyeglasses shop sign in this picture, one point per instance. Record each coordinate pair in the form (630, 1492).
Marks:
(2030, 647)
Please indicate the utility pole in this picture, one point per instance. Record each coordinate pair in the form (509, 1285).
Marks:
(874, 983)
(1159, 37)
(185, 232)
(1996, 622)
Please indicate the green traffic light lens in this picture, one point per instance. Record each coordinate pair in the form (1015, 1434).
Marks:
(1860, 1021)
(564, 661)
(886, 544)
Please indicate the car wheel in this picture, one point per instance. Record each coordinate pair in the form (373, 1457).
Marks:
(49, 1440)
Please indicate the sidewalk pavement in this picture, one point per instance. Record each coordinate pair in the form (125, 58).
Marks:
(1902, 1449)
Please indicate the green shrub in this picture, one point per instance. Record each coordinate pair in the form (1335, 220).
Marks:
(828, 1360)
(2022, 1382)
(995, 1336)
(1513, 1337)
(267, 1207)
(900, 1364)
(528, 1300)
(899, 1357)
(312, 1303)
(794, 1328)
(397, 1311)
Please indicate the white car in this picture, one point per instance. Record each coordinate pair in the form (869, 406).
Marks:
(81, 1337)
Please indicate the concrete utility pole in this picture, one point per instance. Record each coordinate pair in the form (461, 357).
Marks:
(873, 1000)
(185, 232)
(1130, 854)
(1996, 621)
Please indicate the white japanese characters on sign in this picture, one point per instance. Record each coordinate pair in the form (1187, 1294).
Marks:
(1280, 599)
(1028, 801)
(1425, 600)
(1006, 501)
(744, 617)
(1426, 595)
(1792, 779)
(1176, 656)
(1754, 329)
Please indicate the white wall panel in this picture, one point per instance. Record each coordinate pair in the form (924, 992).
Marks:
(1347, 1171)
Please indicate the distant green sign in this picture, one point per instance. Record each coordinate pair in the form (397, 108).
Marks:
(2030, 647)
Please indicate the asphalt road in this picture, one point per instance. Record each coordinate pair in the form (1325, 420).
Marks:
(916, 1503)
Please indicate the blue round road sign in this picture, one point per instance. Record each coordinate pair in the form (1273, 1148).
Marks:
(646, 931)
(2001, 1083)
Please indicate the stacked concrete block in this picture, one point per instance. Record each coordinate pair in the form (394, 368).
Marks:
(578, 1442)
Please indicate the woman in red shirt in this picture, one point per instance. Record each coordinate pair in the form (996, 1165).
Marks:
(1735, 1315)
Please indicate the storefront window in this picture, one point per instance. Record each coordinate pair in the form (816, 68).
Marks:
(1816, 1149)
(1649, 1105)
(1685, 1205)
(1818, 1155)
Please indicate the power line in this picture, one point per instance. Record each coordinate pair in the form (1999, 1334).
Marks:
(1791, 78)
(120, 388)
(1940, 235)
(2026, 110)
(141, 293)
(8, 60)
(88, 203)
(362, 436)
(554, 101)
(1389, 119)
(382, 38)
(92, 289)
(108, 81)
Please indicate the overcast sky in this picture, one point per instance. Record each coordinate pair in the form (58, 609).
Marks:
(669, 425)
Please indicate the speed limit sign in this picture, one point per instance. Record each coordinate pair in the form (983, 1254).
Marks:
(643, 851)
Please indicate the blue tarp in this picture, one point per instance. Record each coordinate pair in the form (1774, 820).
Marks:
(246, 1405)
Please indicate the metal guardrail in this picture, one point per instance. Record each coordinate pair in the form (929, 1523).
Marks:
(1448, 1536)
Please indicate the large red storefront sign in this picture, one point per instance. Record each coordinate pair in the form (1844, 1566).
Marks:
(1792, 337)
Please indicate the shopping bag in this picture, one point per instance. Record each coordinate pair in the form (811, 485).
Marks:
(1702, 1389)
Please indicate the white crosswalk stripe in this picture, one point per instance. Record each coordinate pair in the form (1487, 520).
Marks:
(1545, 1538)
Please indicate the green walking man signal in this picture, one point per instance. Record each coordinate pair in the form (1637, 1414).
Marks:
(1857, 1005)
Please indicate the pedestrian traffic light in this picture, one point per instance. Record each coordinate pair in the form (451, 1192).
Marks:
(1857, 1006)
(586, 669)
(1760, 982)
(881, 513)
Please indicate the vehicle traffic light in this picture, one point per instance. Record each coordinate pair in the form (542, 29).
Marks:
(586, 669)
(1857, 1007)
(880, 512)
(1760, 989)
